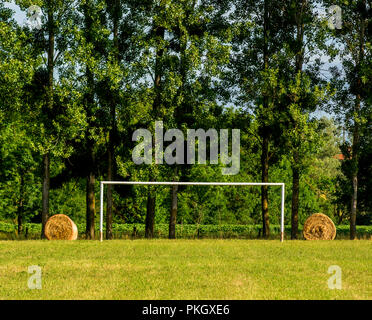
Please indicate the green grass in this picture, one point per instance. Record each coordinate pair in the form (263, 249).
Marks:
(186, 269)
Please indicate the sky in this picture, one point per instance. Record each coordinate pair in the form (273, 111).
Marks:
(19, 16)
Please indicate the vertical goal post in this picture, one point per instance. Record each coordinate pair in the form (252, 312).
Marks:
(148, 183)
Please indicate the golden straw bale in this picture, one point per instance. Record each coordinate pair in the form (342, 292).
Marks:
(319, 227)
(60, 227)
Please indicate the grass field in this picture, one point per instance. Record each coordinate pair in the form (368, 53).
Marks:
(186, 269)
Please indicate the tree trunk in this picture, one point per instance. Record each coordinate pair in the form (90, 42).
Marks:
(50, 102)
(20, 204)
(151, 199)
(151, 204)
(91, 206)
(90, 141)
(174, 209)
(111, 146)
(356, 131)
(354, 177)
(91, 163)
(109, 196)
(295, 201)
(296, 156)
(264, 189)
(150, 216)
(45, 195)
(354, 199)
(265, 134)
(110, 174)
(20, 225)
(173, 213)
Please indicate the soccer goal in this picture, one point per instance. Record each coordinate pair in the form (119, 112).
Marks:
(242, 184)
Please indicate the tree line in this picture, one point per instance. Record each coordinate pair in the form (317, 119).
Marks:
(74, 90)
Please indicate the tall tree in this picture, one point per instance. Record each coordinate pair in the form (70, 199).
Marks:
(118, 78)
(154, 18)
(84, 58)
(352, 83)
(115, 12)
(200, 37)
(304, 94)
(49, 43)
(91, 28)
(261, 30)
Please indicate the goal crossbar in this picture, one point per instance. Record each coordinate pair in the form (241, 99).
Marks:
(178, 183)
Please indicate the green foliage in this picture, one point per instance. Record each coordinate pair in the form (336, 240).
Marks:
(188, 231)
(122, 65)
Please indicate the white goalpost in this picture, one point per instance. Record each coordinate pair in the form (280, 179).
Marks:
(282, 185)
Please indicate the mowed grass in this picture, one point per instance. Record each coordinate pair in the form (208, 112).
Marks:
(186, 269)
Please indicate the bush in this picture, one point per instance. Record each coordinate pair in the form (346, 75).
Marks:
(188, 231)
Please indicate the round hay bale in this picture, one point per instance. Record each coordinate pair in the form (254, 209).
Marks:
(319, 227)
(60, 227)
